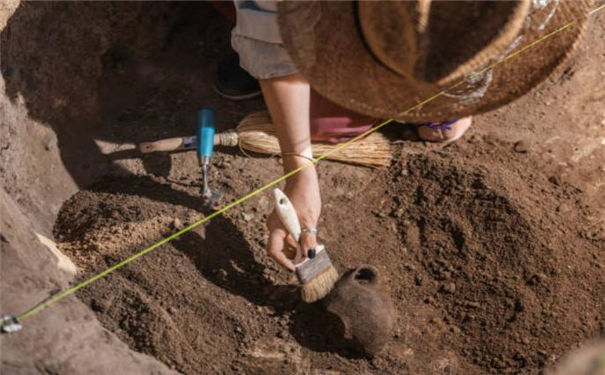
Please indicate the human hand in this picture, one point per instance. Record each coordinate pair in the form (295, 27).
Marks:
(303, 191)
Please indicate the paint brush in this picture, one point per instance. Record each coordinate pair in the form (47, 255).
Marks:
(315, 272)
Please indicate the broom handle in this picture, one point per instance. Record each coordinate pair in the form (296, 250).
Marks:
(228, 138)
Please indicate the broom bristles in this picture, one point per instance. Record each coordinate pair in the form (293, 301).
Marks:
(257, 134)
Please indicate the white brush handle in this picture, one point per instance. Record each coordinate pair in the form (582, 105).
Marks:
(289, 218)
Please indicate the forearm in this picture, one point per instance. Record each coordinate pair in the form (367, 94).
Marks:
(288, 100)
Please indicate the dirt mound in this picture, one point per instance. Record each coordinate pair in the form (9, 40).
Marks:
(488, 269)
(513, 282)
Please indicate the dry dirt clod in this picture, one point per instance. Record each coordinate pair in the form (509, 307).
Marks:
(536, 279)
(176, 224)
(99, 305)
(418, 279)
(521, 147)
(448, 288)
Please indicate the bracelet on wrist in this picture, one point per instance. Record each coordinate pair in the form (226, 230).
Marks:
(312, 160)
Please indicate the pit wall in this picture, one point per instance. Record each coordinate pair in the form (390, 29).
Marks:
(51, 70)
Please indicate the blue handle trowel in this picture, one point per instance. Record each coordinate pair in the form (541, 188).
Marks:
(205, 146)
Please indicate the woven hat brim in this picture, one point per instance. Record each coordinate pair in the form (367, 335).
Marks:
(326, 45)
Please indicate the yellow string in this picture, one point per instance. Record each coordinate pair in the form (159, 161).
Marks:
(94, 278)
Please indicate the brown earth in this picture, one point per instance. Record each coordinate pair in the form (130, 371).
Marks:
(487, 271)
(491, 248)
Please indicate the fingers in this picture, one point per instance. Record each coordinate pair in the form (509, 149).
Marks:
(275, 248)
(292, 244)
(308, 241)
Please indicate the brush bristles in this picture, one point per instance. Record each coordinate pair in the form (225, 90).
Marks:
(319, 286)
(257, 134)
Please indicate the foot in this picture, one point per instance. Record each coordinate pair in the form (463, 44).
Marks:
(232, 82)
(445, 132)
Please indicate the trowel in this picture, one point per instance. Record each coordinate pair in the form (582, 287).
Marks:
(205, 146)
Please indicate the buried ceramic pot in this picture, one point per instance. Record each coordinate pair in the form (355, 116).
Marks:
(366, 312)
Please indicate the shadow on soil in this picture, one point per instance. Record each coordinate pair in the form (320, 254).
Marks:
(224, 257)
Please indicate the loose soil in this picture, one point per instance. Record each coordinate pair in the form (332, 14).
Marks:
(491, 248)
(490, 268)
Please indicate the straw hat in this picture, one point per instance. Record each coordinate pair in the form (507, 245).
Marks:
(381, 58)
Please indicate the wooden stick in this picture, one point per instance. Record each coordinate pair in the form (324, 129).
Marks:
(227, 138)
(256, 133)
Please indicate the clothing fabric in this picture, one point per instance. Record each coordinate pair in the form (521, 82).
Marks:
(335, 124)
(256, 39)
(261, 59)
(257, 20)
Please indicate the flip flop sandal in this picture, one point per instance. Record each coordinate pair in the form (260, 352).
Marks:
(444, 132)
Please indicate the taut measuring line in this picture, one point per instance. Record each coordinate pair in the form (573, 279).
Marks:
(11, 323)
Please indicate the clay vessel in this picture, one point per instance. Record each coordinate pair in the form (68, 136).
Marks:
(366, 312)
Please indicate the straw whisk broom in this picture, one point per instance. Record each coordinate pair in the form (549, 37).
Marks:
(256, 133)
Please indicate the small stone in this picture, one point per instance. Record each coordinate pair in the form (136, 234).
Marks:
(418, 279)
(536, 279)
(473, 304)
(498, 363)
(221, 274)
(263, 203)
(469, 318)
(437, 322)
(409, 266)
(448, 288)
(262, 242)
(176, 223)
(379, 213)
(247, 217)
(172, 310)
(521, 147)
(224, 165)
(99, 306)
(555, 180)
(48, 145)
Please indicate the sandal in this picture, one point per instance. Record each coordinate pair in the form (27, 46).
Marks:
(444, 132)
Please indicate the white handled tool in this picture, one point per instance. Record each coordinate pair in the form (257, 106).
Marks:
(289, 218)
(316, 275)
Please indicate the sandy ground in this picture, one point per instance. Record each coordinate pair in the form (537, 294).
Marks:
(491, 248)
